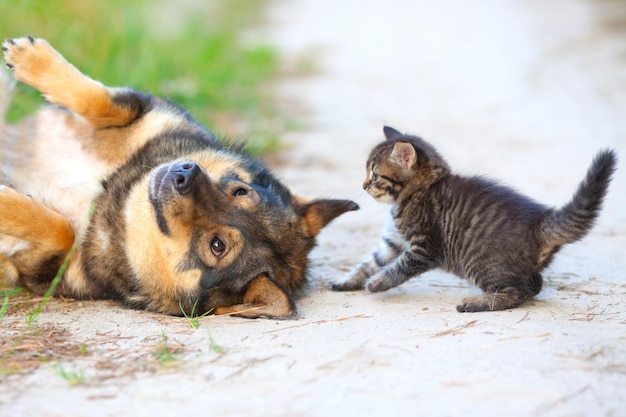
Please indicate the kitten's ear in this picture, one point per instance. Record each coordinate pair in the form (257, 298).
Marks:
(318, 213)
(404, 155)
(391, 133)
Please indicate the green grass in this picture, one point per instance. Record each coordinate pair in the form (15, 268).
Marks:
(5, 304)
(6, 299)
(193, 318)
(216, 347)
(165, 354)
(195, 57)
(72, 377)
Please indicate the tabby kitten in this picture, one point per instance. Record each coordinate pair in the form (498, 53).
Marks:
(470, 226)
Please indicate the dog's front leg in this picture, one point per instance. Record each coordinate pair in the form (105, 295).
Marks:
(36, 63)
(42, 239)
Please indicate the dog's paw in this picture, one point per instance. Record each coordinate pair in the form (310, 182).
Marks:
(29, 58)
(18, 52)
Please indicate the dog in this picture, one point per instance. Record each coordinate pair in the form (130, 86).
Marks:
(147, 205)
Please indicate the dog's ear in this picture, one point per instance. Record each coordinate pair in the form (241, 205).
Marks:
(318, 213)
(263, 297)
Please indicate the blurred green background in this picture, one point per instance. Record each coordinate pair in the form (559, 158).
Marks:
(196, 53)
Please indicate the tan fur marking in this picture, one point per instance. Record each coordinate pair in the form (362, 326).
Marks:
(318, 213)
(75, 281)
(312, 222)
(27, 219)
(232, 239)
(152, 262)
(262, 298)
(117, 145)
(220, 162)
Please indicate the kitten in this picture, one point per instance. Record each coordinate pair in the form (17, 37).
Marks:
(470, 226)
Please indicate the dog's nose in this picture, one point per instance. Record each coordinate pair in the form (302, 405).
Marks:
(182, 176)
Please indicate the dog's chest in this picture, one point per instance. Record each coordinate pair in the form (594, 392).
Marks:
(58, 170)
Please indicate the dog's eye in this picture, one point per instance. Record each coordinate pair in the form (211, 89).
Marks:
(217, 246)
(240, 191)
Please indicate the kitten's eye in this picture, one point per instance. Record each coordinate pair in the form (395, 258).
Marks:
(375, 176)
(218, 247)
(240, 191)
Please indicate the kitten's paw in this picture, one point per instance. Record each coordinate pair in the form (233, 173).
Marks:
(345, 286)
(354, 282)
(472, 305)
(508, 298)
(380, 282)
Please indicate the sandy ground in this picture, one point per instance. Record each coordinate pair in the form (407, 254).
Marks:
(523, 91)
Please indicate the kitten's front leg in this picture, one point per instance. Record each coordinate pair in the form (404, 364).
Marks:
(359, 275)
(388, 250)
(412, 262)
(390, 247)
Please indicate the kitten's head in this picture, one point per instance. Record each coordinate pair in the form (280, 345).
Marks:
(398, 161)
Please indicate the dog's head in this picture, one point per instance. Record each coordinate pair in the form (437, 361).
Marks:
(199, 230)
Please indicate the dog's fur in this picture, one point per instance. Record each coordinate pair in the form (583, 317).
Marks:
(174, 221)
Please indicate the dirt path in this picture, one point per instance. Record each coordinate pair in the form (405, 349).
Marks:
(522, 91)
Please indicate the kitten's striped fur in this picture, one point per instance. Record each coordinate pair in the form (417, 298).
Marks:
(470, 226)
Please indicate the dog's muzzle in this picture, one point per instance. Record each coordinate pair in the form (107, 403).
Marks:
(183, 175)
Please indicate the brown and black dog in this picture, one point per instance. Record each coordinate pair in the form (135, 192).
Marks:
(175, 221)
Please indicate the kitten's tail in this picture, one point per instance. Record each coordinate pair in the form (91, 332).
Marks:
(576, 218)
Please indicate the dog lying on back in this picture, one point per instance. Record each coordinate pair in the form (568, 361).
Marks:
(174, 221)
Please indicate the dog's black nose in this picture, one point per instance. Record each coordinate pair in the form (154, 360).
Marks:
(182, 176)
